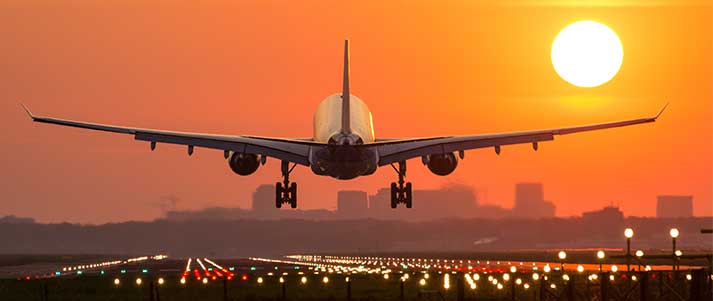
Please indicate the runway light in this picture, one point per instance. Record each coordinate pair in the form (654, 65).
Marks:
(347, 279)
(205, 280)
(553, 286)
(513, 269)
(614, 268)
(678, 253)
(673, 232)
(138, 281)
(160, 281)
(547, 268)
(183, 280)
(500, 286)
(422, 282)
(259, 280)
(425, 276)
(689, 277)
(628, 233)
(303, 280)
(562, 255)
(639, 253)
(325, 280)
(476, 276)
(535, 276)
(600, 254)
(518, 281)
(386, 276)
(282, 280)
(506, 277)
(633, 277)
(472, 286)
(117, 281)
(565, 277)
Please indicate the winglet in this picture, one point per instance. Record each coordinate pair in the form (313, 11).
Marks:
(27, 111)
(661, 111)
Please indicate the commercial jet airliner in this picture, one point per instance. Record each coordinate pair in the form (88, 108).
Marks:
(343, 145)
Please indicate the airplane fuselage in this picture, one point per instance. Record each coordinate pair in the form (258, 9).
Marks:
(339, 158)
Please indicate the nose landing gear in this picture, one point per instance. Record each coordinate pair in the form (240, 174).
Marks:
(286, 192)
(400, 193)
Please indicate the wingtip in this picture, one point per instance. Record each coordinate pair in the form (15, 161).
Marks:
(661, 111)
(29, 113)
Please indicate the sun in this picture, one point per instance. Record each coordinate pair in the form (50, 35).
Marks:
(587, 54)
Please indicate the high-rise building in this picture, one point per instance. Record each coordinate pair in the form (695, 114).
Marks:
(668, 206)
(352, 202)
(530, 202)
(264, 198)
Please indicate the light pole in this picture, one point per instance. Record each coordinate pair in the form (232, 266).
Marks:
(562, 256)
(639, 254)
(600, 256)
(628, 233)
(674, 234)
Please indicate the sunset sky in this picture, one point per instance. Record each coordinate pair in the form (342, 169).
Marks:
(425, 68)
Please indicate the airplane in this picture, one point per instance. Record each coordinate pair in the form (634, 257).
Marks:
(343, 145)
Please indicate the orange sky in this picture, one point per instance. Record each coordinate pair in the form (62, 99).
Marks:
(261, 68)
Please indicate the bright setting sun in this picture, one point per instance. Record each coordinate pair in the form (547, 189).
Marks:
(587, 54)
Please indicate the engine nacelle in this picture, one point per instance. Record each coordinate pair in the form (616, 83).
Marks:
(442, 164)
(244, 164)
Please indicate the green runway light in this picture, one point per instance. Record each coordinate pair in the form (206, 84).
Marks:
(297, 268)
(102, 272)
(57, 273)
(252, 268)
(79, 272)
(123, 271)
(210, 269)
(231, 268)
(144, 271)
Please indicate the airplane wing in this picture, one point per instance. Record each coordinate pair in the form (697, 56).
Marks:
(292, 150)
(396, 150)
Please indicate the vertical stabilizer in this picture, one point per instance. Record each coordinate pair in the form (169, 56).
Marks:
(346, 127)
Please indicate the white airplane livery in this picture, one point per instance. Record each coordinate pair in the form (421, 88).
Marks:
(343, 145)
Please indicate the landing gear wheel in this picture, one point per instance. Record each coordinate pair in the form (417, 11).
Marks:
(394, 196)
(286, 192)
(278, 195)
(400, 193)
(293, 195)
(409, 195)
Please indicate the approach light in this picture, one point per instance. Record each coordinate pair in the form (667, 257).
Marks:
(628, 233)
(138, 281)
(303, 280)
(674, 232)
(183, 280)
(117, 281)
(160, 281)
(205, 280)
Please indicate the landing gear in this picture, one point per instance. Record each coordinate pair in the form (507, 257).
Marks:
(286, 192)
(400, 193)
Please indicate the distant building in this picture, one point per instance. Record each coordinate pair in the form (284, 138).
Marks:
(530, 202)
(353, 203)
(604, 223)
(264, 198)
(609, 214)
(668, 206)
(11, 219)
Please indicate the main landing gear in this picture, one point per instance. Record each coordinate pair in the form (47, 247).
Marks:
(401, 194)
(286, 192)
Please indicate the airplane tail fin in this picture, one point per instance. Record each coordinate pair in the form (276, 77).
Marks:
(346, 124)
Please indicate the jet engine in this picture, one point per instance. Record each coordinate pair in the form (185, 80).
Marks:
(442, 164)
(244, 164)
